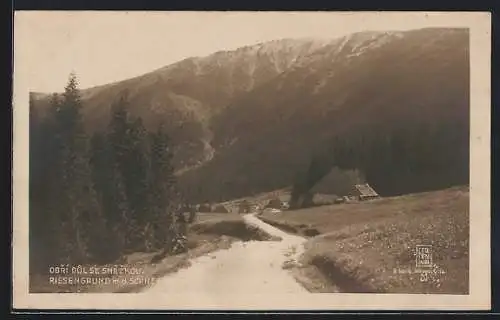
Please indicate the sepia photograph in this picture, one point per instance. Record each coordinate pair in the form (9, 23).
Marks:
(261, 160)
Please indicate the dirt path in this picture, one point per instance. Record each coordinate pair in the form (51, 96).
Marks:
(247, 267)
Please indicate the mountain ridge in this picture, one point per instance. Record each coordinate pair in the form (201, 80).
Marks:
(237, 108)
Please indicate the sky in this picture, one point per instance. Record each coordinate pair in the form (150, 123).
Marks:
(103, 47)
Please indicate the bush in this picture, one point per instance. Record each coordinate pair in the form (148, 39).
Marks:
(311, 232)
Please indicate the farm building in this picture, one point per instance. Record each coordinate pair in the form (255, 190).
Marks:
(254, 208)
(340, 200)
(285, 205)
(244, 207)
(363, 192)
(274, 203)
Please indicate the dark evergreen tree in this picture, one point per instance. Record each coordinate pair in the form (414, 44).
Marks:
(165, 197)
(80, 211)
(111, 194)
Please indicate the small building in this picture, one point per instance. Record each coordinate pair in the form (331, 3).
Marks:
(244, 207)
(272, 210)
(340, 200)
(285, 205)
(254, 208)
(274, 203)
(363, 192)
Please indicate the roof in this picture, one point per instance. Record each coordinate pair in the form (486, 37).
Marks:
(365, 190)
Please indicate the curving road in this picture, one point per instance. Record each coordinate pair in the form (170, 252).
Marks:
(251, 267)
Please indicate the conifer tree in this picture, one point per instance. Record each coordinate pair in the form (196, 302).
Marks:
(119, 165)
(77, 209)
(165, 198)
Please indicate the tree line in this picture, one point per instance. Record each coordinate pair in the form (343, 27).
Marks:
(94, 198)
(421, 154)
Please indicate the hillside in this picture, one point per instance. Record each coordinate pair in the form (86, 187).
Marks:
(251, 120)
(375, 85)
(187, 94)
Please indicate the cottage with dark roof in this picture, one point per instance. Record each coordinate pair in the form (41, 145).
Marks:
(363, 192)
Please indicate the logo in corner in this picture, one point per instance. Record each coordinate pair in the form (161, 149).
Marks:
(423, 258)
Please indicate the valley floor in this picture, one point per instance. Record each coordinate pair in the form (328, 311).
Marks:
(353, 248)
